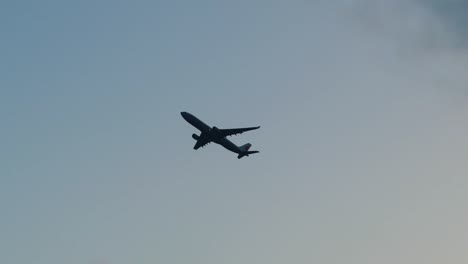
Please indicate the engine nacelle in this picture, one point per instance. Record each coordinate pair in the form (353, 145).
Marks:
(195, 136)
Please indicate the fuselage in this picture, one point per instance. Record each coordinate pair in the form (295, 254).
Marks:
(209, 134)
(194, 121)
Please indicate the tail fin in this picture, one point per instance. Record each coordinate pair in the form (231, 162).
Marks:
(245, 150)
(245, 147)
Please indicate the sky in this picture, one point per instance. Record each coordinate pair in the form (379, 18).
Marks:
(362, 103)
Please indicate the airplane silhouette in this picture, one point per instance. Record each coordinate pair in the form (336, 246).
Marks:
(218, 136)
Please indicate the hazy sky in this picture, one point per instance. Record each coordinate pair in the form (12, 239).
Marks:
(363, 108)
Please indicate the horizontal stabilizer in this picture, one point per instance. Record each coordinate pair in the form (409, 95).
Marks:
(247, 153)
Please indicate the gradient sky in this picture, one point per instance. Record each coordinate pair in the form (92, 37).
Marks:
(363, 108)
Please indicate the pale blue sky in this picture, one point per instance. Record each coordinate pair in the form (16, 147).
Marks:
(362, 104)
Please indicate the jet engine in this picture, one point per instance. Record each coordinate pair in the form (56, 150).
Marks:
(195, 136)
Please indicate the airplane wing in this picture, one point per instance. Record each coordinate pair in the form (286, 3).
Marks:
(235, 131)
(201, 144)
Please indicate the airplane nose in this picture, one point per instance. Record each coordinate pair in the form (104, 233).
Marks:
(186, 116)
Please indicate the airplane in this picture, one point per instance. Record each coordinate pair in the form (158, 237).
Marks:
(213, 134)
